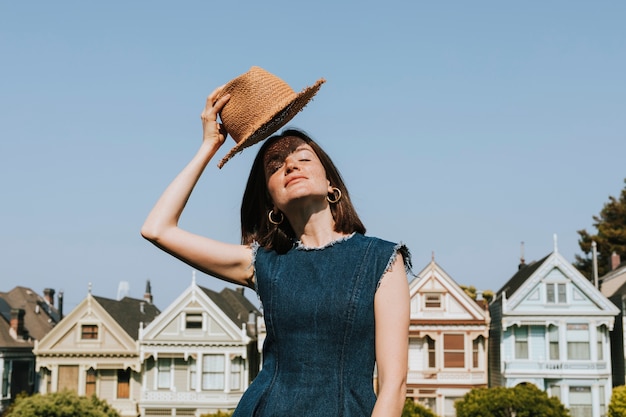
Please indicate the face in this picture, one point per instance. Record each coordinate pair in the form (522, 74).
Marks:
(294, 172)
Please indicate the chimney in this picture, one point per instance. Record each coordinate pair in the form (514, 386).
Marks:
(251, 325)
(60, 308)
(147, 296)
(48, 295)
(615, 261)
(17, 323)
(522, 261)
(142, 307)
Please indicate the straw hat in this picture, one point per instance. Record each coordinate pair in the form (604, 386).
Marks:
(260, 104)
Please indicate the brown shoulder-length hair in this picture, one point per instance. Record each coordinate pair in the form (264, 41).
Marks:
(256, 203)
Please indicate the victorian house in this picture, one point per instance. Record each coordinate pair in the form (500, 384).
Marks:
(200, 354)
(613, 286)
(550, 327)
(25, 318)
(94, 350)
(447, 341)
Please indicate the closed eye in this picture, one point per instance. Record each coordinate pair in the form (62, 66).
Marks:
(273, 166)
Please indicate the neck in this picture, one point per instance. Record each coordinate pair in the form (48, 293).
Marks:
(314, 227)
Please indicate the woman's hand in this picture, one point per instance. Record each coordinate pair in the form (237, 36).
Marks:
(214, 132)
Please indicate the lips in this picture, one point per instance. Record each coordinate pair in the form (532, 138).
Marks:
(294, 179)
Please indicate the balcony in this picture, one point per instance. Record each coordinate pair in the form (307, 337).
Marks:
(557, 367)
(474, 377)
(191, 398)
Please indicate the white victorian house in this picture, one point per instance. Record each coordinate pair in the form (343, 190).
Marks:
(550, 327)
(200, 354)
(447, 341)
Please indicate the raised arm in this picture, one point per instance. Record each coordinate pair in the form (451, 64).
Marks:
(391, 312)
(226, 261)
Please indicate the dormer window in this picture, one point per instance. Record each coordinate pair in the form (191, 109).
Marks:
(432, 300)
(555, 293)
(193, 321)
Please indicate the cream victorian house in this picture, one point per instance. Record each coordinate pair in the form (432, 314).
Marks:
(200, 354)
(447, 341)
(94, 350)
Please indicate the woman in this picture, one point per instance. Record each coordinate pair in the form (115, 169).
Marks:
(335, 302)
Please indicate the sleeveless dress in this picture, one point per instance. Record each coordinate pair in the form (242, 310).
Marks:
(318, 307)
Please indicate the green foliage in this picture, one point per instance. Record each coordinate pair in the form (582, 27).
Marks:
(413, 409)
(473, 293)
(60, 404)
(488, 295)
(617, 406)
(610, 237)
(219, 413)
(521, 401)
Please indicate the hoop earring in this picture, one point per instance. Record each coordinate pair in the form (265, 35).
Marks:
(335, 199)
(276, 222)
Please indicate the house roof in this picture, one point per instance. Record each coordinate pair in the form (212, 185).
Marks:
(614, 282)
(39, 316)
(233, 303)
(129, 313)
(520, 277)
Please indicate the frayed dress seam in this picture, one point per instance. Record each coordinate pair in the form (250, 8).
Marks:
(406, 255)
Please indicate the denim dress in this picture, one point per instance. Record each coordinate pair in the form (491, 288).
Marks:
(318, 306)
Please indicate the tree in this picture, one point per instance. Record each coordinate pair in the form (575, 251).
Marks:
(473, 293)
(617, 406)
(523, 400)
(610, 237)
(60, 404)
(413, 409)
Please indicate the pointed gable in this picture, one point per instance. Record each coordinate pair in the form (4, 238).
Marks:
(435, 296)
(97, 326)
(553, 283)
(201, 314)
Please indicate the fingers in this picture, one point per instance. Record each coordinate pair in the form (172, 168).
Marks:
(214, 104)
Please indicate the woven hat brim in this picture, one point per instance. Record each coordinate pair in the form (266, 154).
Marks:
(278, 120)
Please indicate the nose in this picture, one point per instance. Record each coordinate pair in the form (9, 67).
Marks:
(291, 164)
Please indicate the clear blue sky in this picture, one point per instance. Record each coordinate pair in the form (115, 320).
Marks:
(461, 128)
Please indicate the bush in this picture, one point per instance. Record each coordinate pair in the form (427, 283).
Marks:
(413, 409)
(617, 406)
(523, 400)
(60, 404)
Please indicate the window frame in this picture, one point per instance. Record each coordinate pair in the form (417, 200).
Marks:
(163, 372)
(431, 349)
(452, 353)
(90, 382)
(556, 293)
(554, 340)
(194, 321)
(574, 344)
(211, 380)
(89, 332)
(124, 377)
(520, 343)
(433, 304)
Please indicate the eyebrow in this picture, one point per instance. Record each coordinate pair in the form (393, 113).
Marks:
(303, 147)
